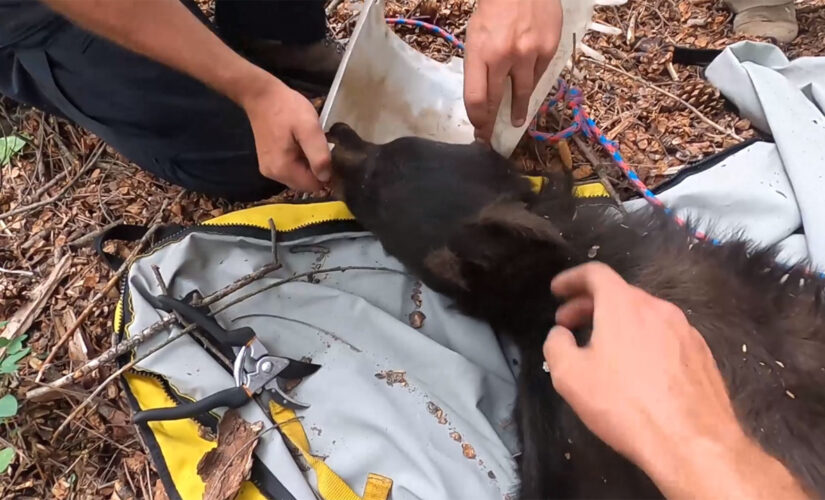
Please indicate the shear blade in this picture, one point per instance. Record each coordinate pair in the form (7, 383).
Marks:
(280, 397)
(298, 369)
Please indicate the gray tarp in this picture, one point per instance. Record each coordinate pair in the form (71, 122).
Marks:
(356, 325)
(767, 191)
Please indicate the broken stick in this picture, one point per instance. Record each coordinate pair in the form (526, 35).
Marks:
(25, 316)
(135, 340)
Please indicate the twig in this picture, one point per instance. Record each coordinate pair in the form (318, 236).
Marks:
(90, 237)
(135, 340)
(45, 187)
(28, 208)
(41, 139)
(588, 153)
(337, 269)
(113, 281)
(415, 7)
(237, 285)
(14, 271)
(64, 150)
(300, 322)
(644, 82)
(248, 443)
(119, 372)
(107, 356)
(673, 74)
(184, 323)
(591, 53)
(631, 30)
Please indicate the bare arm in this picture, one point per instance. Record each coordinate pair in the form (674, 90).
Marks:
(290, 143)
(731, 467)
(648, 386)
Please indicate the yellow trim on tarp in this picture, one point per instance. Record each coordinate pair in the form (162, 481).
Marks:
(179, 441)
(118, 322)
(287, 217)
(536, 181)
(590, 190)
(330, 485)
(249, 491)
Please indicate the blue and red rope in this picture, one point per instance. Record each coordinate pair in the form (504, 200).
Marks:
(574, 100)
(401, 21)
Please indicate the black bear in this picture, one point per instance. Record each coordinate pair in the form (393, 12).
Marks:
(473, 229)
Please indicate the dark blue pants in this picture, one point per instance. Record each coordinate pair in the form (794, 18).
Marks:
(165, 122)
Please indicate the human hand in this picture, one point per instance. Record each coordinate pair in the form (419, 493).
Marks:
(647, 382)
(648, 386)
(291, 146)
(516, 38)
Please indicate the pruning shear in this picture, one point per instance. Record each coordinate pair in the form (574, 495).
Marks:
(256, 372)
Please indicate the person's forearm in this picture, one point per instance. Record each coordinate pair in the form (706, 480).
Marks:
(167, 32)
(734, 467)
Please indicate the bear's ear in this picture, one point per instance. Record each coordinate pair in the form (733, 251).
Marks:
(514, 217)
(446, 265)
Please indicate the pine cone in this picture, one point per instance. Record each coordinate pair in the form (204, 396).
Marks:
(699, 94)
(652, 56)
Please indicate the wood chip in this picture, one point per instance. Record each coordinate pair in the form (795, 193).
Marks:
(159, 492)
(417, 319)
(227, 466)
(25, 316)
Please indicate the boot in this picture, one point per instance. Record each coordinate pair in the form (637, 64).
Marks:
(765, 18)
(315, 64)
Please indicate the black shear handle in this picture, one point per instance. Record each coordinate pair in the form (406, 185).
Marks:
(233, 397)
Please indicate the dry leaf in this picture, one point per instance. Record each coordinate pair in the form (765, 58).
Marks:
(61, 489)
(226, 466)
(90, 281)
(159, 492)
(582, 172)
(122, 491)
(78, 348)
(565, 155)
(176, 209)
(136, 463)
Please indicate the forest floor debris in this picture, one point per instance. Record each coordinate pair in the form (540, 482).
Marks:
(87, 186)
